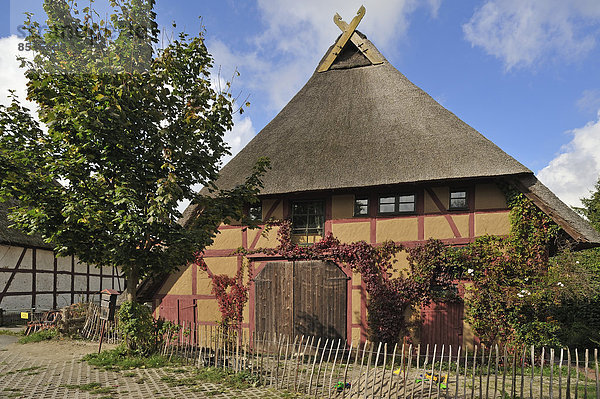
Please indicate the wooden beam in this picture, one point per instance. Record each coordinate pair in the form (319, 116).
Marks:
(341, 42)
(365, 47)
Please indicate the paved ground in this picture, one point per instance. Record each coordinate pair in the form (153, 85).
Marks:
(54, 370)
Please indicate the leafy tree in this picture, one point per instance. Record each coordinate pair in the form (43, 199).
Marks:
(130, 130)
(591, 207)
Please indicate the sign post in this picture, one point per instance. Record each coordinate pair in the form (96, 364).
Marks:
(108, 304)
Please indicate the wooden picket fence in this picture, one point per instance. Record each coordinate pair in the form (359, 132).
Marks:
(93, 327)
(334, 368)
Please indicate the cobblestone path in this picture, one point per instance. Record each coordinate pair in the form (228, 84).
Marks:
(54, 370)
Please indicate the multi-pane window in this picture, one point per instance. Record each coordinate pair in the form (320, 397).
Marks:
(255, 212)
(458, 199)
(391, 204)
(308, 217)
(361, 206)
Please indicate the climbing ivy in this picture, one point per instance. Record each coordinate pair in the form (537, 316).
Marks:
(513, 290)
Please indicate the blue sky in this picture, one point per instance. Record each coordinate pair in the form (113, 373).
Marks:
(525, 73)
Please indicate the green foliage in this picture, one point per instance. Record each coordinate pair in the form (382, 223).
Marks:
(131, 130)
(40, 336)
(139, 328)
(591, 207)
(121, 359)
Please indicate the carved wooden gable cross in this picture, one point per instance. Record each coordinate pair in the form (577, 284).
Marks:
(349, 33)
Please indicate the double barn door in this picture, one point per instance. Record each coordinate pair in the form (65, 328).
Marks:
(301, 298)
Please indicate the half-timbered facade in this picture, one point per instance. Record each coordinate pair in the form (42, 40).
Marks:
(364, 154)
(32, 277)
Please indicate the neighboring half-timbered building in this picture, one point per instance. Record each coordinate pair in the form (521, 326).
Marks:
(32, 277)
(364, 154)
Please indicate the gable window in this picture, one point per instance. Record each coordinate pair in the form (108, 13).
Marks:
(458, 199)
(361, 206)
(255, 212)
(403, 203)
(308, 217)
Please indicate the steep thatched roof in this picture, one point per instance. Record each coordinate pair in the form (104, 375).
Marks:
(359, 125)
(364, 125)
(15, 237)
(581, 231)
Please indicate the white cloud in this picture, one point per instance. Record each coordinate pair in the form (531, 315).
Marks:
(12, 77)
(524, 32)
(239, 136)
(589, 101)
(297, 35)
(572, 174)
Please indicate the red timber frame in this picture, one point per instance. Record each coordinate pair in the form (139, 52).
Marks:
(258, 261)
(13, 270)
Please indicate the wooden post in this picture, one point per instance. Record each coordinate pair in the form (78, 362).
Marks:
(568, 393)
(432, 370)
(560, 362)
(320, 365)
(412, 394)
(457, 371)
(542, 372)
(383, 372)
(532, 372)
(523, 369)
(313, 365)
(298, 363)
(368, 366)
(101, 336)
(513, 390)
(333, 367)
(551, 370)
(407, 371)
(596, 364)
(440, 373)
(505, 358)
(474, 372)
(389, 391)
(585, 373)
(375, 371)
(361, 367)
(346, 368)
(496, 371)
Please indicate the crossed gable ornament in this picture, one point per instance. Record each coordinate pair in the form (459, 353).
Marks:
(349, 33)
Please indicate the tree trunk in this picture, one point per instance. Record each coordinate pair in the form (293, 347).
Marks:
(132, 283)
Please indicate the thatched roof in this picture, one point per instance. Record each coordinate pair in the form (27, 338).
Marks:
(364, 125)
(581, 231)
(15, 237)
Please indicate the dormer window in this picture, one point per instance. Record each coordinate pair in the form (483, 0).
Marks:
(458, 200)
(396, 204)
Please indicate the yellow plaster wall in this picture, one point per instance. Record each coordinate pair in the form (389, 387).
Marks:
(492, 223)
(462, 224)
(400, 262)
(356, 278)
(489, 196)
(178, 283)
(222, 265)
(356, 297)
(208, 310)
(269, 241)
(342, 206)
(438, 227)
(356, 335)
(352, 232)
(442, 193)
(397, 229)
(267, 204)
(228, 239)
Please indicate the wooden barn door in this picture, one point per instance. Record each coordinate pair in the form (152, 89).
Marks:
(273, 292)
(442, 323)
(301, 298)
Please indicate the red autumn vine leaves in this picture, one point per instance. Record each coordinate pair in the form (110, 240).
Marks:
(496, 266)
